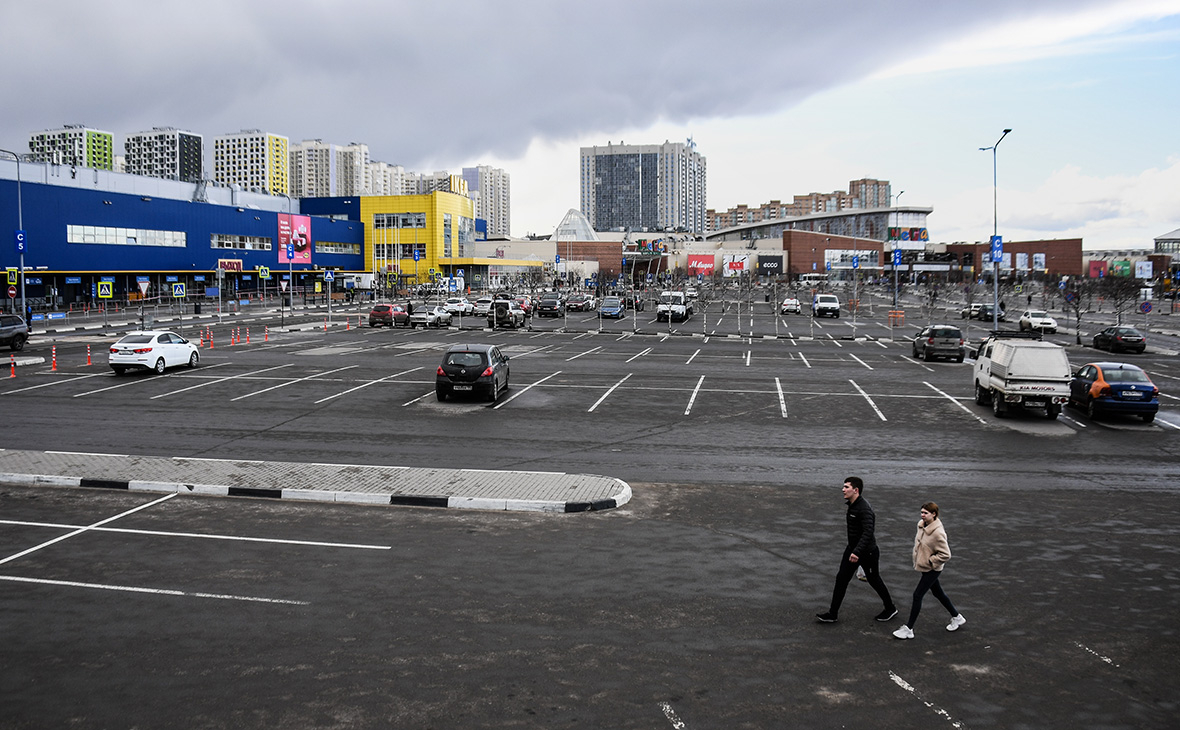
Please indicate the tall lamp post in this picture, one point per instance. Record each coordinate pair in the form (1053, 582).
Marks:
(896, 243)
(995, 234)
(290, 261)
(20, 234)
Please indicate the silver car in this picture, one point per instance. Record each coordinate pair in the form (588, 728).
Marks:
(430, 317)
(940, 340)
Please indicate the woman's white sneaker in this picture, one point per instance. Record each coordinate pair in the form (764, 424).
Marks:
(956, 622)
(905, 632)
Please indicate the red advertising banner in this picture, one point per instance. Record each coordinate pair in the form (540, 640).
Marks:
(1098, 269)
(700, 263)
(295, 230)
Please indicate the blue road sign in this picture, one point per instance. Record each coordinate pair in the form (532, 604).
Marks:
(856, 262)
(290, 251)
(997, 248)
(557, 259)
(21, 242)
(897, 257)
(417, 255)
(1145, 307)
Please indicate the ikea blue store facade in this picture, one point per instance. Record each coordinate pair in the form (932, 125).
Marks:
(87, 228)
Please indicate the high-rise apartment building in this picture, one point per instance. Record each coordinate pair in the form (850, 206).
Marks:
(313, 169)
(644, 187)
(164, 152)
(74, 144)
(254, 160)
(491, 188)
(863, 194)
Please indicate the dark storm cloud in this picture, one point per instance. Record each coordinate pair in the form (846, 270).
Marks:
(449, 81)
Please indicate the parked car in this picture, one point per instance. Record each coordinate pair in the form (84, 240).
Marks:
(825, 305)
(388, 315)
(472, 369)
(970, 312)
(526, 303)
(985, 313)
(506, 313)
(459, 306)
(430, 317)
(482, 306)
(634, 301)
(1035, 319)
(14, 332)
(550, 305)
(940, 340)
(612, 307)
(1014, 370)
(1120, 338)
(673, 306)
(1114, 387)
(152, 350)
(791, 305)
(579, 303)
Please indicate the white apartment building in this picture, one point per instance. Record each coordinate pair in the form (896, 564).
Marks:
(73, 144)
(491, 189)
(255, 160)
(313, 169)
(644, 187)
(166, 152)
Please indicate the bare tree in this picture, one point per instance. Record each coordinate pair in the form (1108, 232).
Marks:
(1121, 292)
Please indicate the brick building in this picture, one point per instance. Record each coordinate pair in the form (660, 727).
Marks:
(1054, 258)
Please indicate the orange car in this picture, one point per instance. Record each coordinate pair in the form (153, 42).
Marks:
(1114, 387)
(389, 315)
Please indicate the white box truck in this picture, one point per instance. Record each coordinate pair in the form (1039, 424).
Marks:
(1015, 372)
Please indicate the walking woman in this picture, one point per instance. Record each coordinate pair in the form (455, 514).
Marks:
(931, 551)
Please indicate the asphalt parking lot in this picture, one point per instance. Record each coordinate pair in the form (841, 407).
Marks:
(690, 606)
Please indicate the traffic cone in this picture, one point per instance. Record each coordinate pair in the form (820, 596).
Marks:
(247, 335)
(54, 358)
(347, 323)
(266, 334)
(88, 354)
(12, 360)
(325, 324)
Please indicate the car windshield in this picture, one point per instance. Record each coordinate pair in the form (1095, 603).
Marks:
(1129, 331)
(1123, 375)
(945, 332)
(137, 339)
(465, 359)
(1035, 314)
(610, 302)
(667, 298)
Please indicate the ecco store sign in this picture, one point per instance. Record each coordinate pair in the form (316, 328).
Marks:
(770, 265)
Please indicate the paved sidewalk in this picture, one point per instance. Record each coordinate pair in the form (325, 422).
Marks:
(455, 488)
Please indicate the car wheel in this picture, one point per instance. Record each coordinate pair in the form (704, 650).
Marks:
(926, 355)
(1091, 409)
(18, 343)
(914, 349)
(1148, 417)
(160, 366)
(372, 324)
(959, 358)
(1052, 411)
(493, 392)
(980, 395)
(119, 371)
(193, 359)
(440, 394)
(999, 408)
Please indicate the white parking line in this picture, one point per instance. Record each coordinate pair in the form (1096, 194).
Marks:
(956, 402)
(640, 354)
(677, 723)
(608, 392)
(587, 352)
(693, 356)
(156, 591)
(235, 538)
(833, 339)
(870, 400)
(937, 710)
(55, 382)
(427, 394)
(80, 530)
(748, 358)
(804, 359)
(526, 388)
(862, 362)
(1091, 651)
(219, 380)
(290, 382)
(692, 399)
(365, 385)
(782, 401)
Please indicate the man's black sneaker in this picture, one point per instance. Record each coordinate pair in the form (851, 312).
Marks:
(827, 617)
(887, 614)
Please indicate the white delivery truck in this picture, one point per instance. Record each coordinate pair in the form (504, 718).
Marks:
(1021, 372)
(673, 306)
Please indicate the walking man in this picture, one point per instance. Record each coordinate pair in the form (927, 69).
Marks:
(862, 551)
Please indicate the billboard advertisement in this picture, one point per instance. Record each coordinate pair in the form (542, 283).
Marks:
(733, 264)
(700, 263)
(1097, 269)
(770, 265)
(295, 232)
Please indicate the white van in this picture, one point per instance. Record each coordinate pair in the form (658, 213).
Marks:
(825, 305)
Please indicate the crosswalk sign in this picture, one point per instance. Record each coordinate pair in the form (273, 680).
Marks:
(12, 276)
(106, 290)
(263, 272)
(178, 290)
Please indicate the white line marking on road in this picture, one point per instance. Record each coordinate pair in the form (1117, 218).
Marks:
(782, 401)
(587, 352)
(156, 591)
(533, 351)
(673, 718)
(693, 356)
(1169, 424)
(693, 397)
(870, 400)
(748, 358)
(1075, 422)
(56, 382)
(804, 359)
(219, 380)
(584, 334)
(291, 382)
(833, 339)
(424, 395)
(513, 397)
(365, 385)
(937, 710)
(1091, 651)
(883, 345)
(956, 402)
(234, 538)
(80, 530)
(1167, 395)
(862, 362)
(611, 390)
(919, 363)
(639, 355)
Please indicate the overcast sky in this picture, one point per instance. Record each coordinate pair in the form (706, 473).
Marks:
(783, 97)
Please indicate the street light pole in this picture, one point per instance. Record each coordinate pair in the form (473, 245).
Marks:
(20, 226)
(995, 232)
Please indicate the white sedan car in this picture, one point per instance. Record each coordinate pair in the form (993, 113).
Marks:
(152, 350)
(791, 305)
(459, 306)
(1035, 319)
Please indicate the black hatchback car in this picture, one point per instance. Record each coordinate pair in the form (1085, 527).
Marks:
(481, 369)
